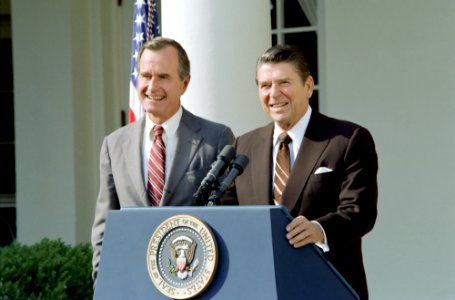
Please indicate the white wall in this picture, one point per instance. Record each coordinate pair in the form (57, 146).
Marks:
(390, 65)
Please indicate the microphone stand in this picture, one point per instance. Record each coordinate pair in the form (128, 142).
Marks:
(210, 183)
(202, 194)
(236, 168)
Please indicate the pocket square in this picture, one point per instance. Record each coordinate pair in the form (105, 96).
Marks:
(322, 170)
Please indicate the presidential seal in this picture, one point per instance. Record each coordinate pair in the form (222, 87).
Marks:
(182, 257)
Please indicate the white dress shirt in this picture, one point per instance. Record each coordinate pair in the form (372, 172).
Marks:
(169, 140)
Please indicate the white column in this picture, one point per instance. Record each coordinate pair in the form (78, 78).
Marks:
(55, 127)
(43, 121)
(223, 40)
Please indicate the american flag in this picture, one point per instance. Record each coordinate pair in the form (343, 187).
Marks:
(145, 27)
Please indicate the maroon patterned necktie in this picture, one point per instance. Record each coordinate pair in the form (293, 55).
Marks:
(156, 167)
(282, 166)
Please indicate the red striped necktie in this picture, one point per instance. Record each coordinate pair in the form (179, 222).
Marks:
(282, 167)
(156, 167)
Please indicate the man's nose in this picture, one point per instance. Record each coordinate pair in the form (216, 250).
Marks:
(274, 90)
(153, 84)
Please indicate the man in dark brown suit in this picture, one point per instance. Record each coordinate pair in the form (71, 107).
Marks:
(332, 187)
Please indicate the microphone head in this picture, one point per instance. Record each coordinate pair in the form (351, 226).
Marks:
(227, 153)
(240, 162)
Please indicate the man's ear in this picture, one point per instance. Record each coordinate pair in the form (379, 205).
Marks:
(186, 82)
(309, 84)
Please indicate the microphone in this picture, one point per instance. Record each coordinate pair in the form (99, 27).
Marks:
(218, 167)
(236, 168)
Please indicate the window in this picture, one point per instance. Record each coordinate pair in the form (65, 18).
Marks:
(291, 25)
(7, 155)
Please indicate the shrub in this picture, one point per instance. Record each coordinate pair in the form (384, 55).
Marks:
(47, 270)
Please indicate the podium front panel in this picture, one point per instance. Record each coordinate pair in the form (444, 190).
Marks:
(255, 259)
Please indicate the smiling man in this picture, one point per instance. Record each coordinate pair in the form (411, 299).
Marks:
(161, 159)
(322, 169)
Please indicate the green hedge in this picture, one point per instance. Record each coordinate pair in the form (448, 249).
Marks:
(47, 270)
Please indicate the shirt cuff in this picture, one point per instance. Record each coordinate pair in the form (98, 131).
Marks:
(325, 245)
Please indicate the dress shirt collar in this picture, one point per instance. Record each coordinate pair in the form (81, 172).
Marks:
(296, 132)
(169, 127)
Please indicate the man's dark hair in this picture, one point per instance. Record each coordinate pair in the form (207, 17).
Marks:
(285, 53)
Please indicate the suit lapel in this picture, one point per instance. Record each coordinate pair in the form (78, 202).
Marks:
(310, 150)
(261, 165)
(186, 146)
(132, 153)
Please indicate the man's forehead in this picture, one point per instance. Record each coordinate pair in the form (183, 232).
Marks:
(276, 71)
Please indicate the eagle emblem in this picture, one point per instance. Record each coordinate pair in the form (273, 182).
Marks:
(182, 250)
(182, 257)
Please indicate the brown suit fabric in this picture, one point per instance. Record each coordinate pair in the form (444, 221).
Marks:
(343, 201)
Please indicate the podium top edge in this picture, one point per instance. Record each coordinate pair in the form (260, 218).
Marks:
(220, 207)
(189, 209)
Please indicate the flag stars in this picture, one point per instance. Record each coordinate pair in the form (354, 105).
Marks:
(139, 3)
(134, 74)
(139, 37)
(135, 55)
(140, 19)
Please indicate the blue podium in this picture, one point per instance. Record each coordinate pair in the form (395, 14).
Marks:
(255, 259)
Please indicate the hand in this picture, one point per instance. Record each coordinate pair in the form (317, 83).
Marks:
(302, 231)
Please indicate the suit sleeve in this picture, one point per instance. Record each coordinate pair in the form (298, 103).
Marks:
(226, 138)
(107, 200)
(357, 204)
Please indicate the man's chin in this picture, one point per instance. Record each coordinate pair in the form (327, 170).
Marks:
(279, 118)
(284, 123)
(151, 106)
